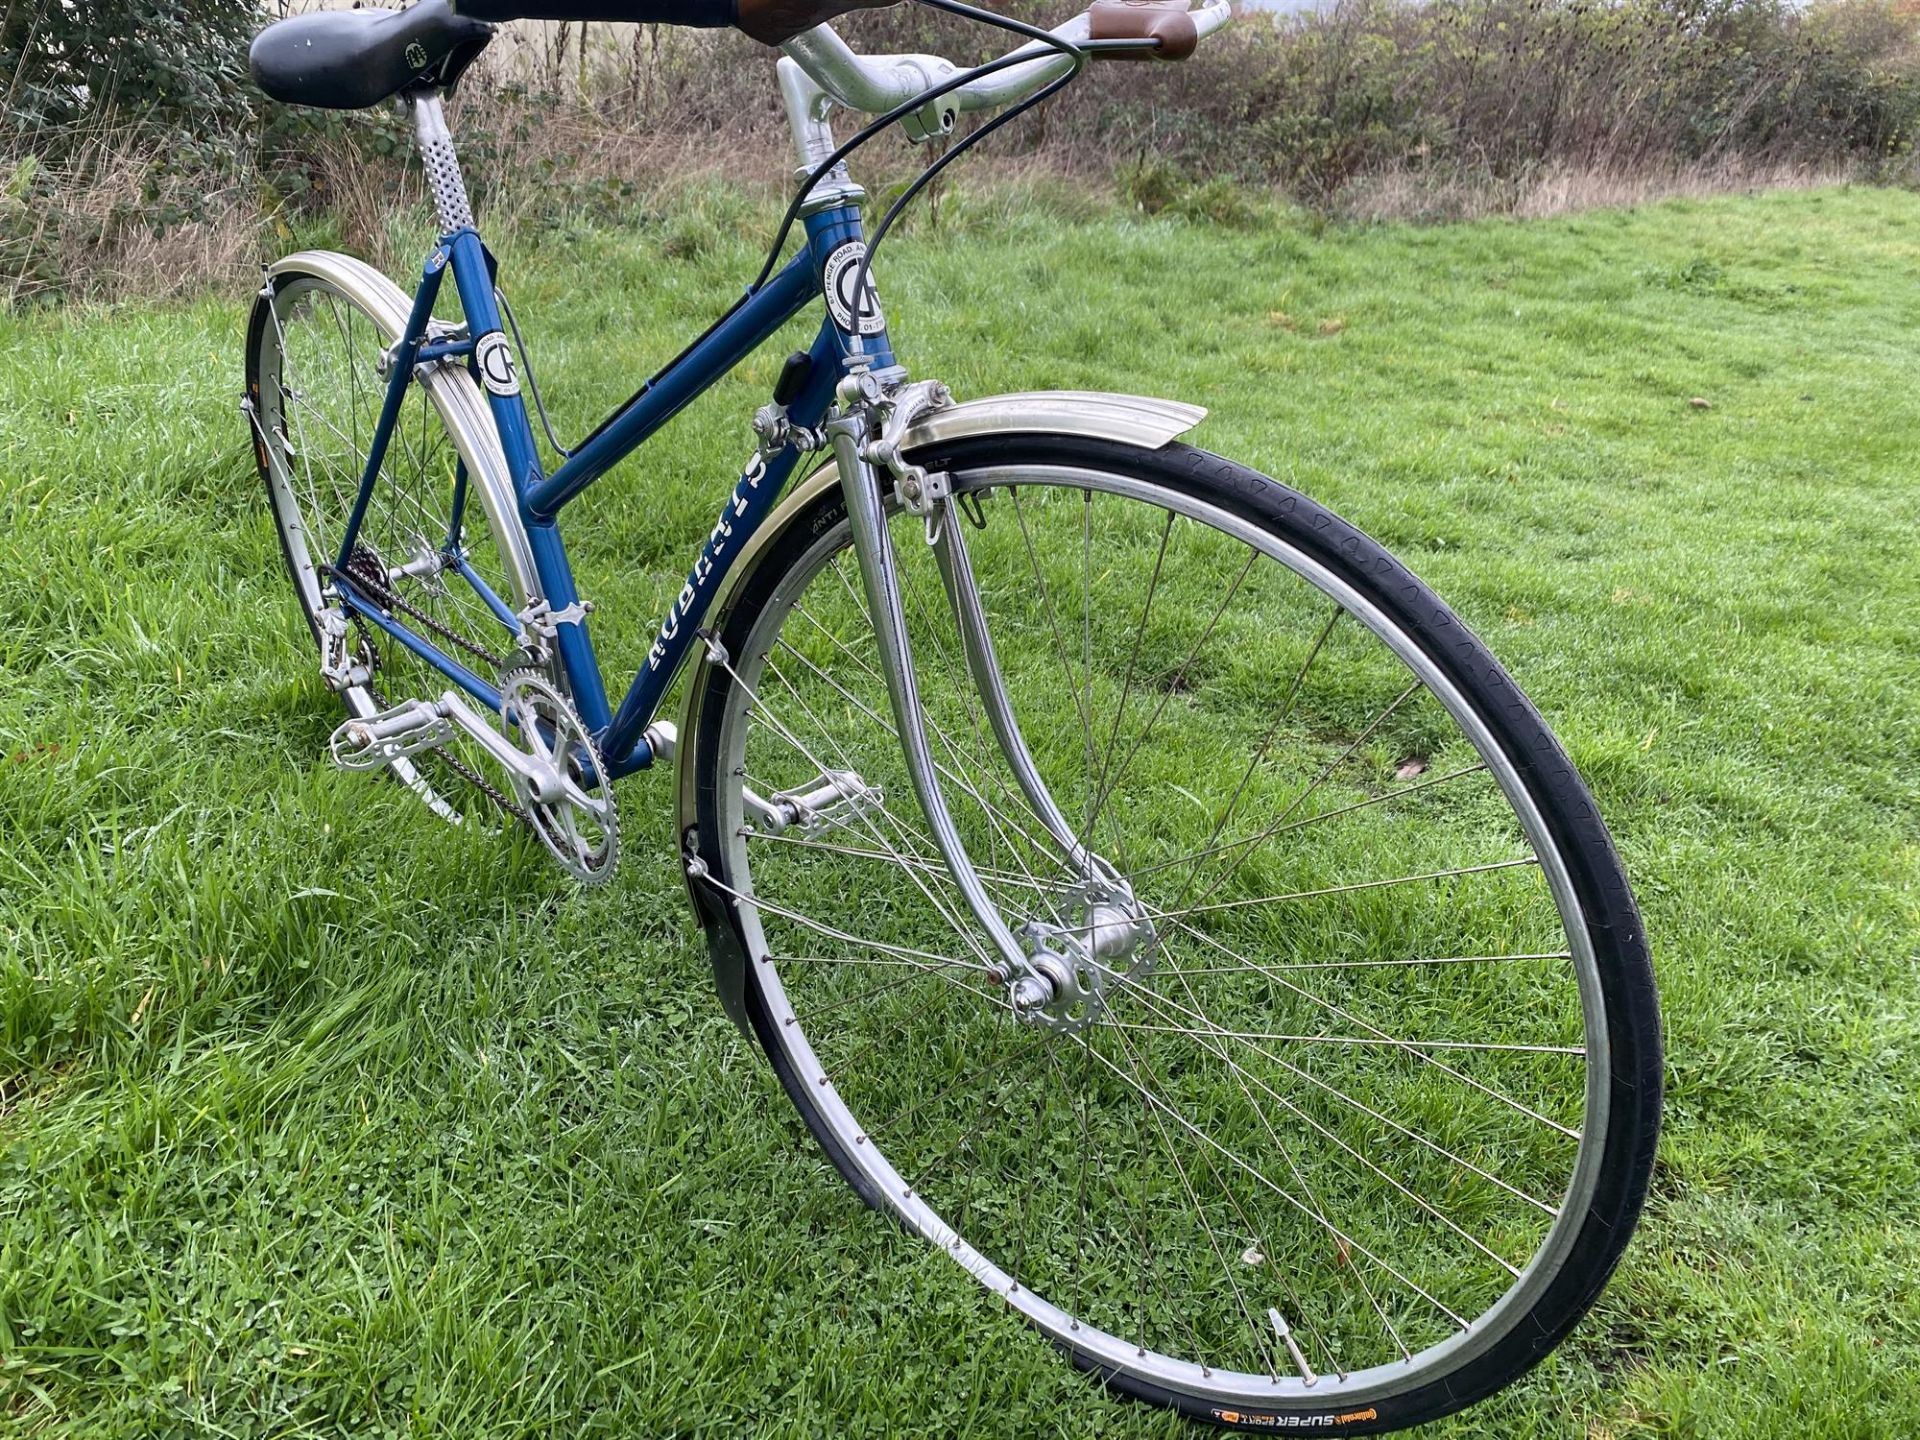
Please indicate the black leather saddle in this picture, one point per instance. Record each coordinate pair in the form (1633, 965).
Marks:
(353, 59)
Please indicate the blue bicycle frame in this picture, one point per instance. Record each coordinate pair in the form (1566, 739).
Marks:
(620, 733)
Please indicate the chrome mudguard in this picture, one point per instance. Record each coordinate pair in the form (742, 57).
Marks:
(1129, 419)
(469, 422)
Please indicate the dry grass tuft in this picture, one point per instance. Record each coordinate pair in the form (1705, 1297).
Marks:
(113, 219)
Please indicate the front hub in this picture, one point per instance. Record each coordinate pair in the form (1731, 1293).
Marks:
(1070, 964)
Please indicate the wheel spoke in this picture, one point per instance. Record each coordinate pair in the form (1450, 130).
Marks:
(1109, 782)
(1381, 1037)
(1195, 857)
(1458, 870)
(1332, 1089)
(1318, 780)
(1234, 1161)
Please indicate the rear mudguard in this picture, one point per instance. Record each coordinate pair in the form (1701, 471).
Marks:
(1126, 419)
(468, 421)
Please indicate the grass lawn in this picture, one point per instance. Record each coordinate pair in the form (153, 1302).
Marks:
(318, 1116)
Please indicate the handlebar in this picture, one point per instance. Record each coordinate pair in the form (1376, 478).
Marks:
(875, 84)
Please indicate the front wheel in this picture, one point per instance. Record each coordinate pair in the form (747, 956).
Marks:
(1355, 1108)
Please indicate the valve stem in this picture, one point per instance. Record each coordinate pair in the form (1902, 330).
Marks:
(1293, 1345)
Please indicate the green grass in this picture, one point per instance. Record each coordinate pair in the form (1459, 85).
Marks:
(320, 1117)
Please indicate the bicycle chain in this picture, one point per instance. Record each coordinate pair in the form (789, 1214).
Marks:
(376, 586)
(381, 592)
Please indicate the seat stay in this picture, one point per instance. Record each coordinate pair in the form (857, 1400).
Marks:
(399, 375)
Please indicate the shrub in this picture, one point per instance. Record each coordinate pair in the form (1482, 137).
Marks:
(173, 67)
(129, 120)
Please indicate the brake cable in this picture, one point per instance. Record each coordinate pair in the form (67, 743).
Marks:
(1080, 53)
(861, 137)
(533, 381)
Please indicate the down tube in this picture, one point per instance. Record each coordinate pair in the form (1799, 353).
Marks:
(752, 499)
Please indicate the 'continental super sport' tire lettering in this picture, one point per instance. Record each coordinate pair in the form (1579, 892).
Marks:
(693, 592)
(1254, 1420)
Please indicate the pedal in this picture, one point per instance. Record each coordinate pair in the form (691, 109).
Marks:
(836, 798)
(377, 741)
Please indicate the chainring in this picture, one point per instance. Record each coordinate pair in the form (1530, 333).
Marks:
(574, 816)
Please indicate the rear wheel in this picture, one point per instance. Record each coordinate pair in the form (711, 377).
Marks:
(436, 539)
(1357, 1107)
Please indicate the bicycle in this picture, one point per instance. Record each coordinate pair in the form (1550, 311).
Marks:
(1145, 888)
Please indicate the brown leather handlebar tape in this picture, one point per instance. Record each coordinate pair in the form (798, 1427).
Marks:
(1167, 21)
(771, 21)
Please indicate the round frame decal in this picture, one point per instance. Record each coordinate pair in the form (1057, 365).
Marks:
(837, 280)
(494, 359)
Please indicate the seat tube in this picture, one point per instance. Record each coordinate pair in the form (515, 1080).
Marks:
(493, 361)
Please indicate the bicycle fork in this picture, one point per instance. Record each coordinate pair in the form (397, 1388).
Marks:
(1056, 977)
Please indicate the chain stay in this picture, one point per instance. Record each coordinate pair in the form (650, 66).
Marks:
(379, 591)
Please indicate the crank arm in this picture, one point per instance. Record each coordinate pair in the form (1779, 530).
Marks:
(548, 784)
(881, 579)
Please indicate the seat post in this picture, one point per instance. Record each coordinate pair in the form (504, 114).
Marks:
(450, 204)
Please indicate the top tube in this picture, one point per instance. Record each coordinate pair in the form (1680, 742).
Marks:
(784, 296)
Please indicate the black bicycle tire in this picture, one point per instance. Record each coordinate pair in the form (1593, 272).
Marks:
(1598, 878)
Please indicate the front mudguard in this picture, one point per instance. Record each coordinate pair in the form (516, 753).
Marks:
(1125, 419)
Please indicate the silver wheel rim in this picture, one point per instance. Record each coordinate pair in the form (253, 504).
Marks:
(1280, 1386)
